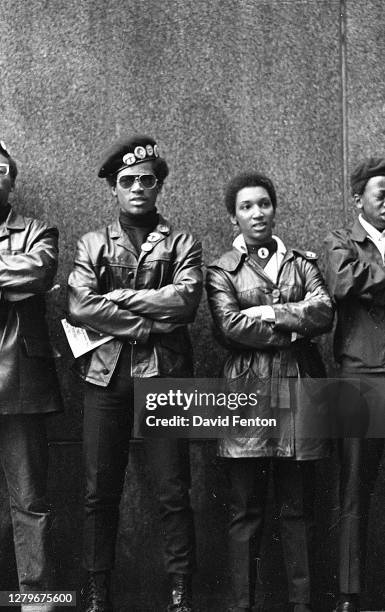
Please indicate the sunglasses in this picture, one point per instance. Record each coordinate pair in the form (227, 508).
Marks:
(146, 181)
(4, 169)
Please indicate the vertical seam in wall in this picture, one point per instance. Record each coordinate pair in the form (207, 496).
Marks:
(344, 107)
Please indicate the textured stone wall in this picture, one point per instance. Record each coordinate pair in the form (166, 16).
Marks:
(223, 86)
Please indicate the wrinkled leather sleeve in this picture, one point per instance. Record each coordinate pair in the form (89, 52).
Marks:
(23, 275)
(314, 314)
(88, 308)
(235, 327)
(173, 303)
(160, 327)
(348, 275)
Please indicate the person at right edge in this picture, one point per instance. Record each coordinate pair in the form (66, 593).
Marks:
(356, 280)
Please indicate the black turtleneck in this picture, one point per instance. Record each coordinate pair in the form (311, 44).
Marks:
(262, 253)
(137, 227)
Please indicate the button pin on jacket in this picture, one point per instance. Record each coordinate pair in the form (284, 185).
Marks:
(146, 247)
(263, 252)
(153, 237)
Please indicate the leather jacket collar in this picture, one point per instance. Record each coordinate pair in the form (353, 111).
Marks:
(358, 233)
(163, 227)
(117, 233)
(14, 222)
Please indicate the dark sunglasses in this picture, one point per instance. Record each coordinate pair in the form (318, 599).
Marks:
(146, 181)
(4, 169)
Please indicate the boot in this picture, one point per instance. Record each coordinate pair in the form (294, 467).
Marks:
(96, 593)
(181, 598)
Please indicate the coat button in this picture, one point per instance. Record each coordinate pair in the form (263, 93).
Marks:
(105, 371)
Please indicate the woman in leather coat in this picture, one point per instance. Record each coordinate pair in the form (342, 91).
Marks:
(268, 302)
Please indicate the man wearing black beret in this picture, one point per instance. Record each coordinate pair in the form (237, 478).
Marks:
(139, 281)
(356, 279)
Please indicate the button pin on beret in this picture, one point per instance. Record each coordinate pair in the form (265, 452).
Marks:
(126, 152)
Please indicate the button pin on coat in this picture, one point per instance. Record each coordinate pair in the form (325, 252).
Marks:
(263, 252)
(153, 237)
(147, 247)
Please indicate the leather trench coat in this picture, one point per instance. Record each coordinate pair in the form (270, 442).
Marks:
(356, 280)
(263, 356)
(28, 264)
(147, 301)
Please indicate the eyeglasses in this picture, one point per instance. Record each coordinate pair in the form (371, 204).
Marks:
(146, 181)
(4, 169)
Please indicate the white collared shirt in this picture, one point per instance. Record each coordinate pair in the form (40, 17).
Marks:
(377, 237)
(272, 267)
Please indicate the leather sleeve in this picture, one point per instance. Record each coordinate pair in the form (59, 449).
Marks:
(234, 327)
(89, 309)
(348, 275)
(31, 272)
(176, 302)
(314, 314)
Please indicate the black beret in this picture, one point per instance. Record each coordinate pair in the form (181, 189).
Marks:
(369, 167)
(126, 152)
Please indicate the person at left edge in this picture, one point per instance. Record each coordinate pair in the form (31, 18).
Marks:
(140, 281)
(28, 384)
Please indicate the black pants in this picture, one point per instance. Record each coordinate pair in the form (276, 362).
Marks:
(359, 458)
(24, 458)
(108, 418)
(294, 493)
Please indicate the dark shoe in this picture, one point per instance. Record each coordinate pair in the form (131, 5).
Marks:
(348, 605)
(96, 593)
(181, 597)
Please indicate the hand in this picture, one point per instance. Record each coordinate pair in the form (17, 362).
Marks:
(114, 296)
(265, 313)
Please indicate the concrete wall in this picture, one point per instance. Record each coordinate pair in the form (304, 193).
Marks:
(224, 86)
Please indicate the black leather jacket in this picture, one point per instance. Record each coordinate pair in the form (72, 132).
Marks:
(356, 280)
(147, 301)
(263, 356)
(28, 263)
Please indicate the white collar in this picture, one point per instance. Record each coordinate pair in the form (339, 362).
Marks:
(239, 243)
(372, 231)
